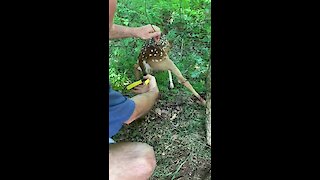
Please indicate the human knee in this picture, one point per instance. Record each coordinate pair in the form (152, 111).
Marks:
(146, 161)
(132, 161)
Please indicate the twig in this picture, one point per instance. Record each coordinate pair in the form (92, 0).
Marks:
(180, 11)
(145, 9)
(181, 48)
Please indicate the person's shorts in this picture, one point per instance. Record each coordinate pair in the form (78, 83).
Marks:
(111, 141)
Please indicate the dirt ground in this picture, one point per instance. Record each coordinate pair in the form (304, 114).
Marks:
(175, 127)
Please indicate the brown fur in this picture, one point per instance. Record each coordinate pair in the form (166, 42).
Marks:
(154, 57)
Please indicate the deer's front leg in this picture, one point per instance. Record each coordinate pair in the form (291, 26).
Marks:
(137, 70)
(170, 80)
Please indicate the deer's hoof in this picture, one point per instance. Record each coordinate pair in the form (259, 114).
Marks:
(202, 102)
(170, 86)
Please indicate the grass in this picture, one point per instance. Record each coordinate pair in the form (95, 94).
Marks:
(175, 127)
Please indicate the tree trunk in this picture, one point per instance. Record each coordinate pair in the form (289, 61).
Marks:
(208, 110)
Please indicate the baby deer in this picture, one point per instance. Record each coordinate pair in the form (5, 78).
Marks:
(154, 57)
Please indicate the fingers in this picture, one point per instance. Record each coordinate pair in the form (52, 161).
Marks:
(148, 76)
(137, 88)
(153, 32)
(136, 91)
(155, 35)
(157, 39)
(147, 32)
(140, 89)
(153, 82)
(152, 28)
(152, 35)
(156, 28)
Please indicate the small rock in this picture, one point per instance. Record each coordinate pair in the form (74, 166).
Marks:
(173, 116)
(158, 111)
(174, 137)
(165, 112)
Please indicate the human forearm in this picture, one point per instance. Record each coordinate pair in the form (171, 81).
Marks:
(118, 31)
(143, 32)
(143, 103)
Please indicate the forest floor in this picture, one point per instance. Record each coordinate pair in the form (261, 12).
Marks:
(175, 128)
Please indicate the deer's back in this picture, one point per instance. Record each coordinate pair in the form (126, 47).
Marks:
(154, 55)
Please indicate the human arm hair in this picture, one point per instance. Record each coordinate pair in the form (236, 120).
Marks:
(118, 31)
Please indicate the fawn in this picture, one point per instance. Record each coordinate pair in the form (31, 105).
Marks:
(154, 57)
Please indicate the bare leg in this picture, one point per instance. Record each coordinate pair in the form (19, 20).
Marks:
(170, 80)
(131, 161)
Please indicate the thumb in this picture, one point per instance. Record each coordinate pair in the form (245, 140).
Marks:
(148, 76)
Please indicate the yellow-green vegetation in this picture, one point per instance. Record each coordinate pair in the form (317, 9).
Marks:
(176, 125)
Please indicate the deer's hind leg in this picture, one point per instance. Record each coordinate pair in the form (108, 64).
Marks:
(169, 65)
(137, 71)
(170, 80)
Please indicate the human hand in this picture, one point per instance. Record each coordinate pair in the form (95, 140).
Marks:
(147, 32)
(143, 88)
